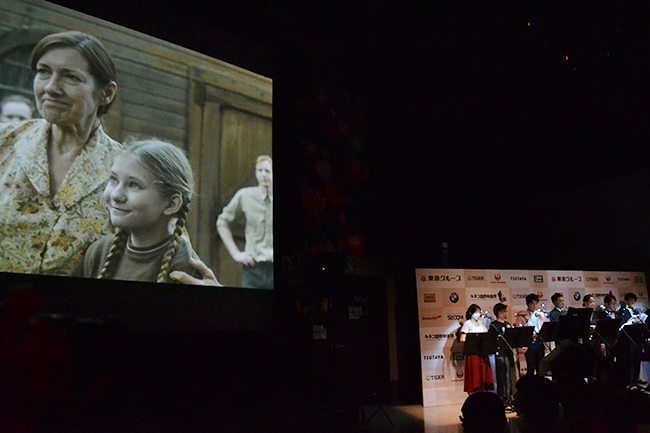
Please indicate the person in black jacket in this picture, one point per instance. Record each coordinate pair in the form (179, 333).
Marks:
(504, 359)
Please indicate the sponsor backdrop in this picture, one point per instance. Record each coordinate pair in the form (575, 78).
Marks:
(445, 294)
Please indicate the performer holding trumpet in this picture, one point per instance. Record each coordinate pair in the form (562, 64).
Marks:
(535, 318)
(629, 314)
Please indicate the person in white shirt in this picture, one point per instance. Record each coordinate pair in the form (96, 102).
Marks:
(534, 318)
(478, 373)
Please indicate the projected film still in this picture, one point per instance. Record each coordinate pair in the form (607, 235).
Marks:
(126, 157)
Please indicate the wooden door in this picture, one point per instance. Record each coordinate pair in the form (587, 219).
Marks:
(227, 133)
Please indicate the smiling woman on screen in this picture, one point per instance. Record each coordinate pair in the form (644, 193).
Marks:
(53, 170)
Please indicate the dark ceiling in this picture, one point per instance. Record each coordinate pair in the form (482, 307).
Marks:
(409, 124)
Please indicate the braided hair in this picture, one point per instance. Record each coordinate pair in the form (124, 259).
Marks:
(114, 254)
(173, 173)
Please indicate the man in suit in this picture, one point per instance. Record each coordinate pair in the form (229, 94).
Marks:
(548, 361)
(558, 302)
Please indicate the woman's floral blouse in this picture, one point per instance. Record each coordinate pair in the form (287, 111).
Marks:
(39, 233)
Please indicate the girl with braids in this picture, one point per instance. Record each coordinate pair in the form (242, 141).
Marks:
(148, 196)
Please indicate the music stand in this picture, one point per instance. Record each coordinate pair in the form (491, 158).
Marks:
(607, 328)
(636, 333)
(516, 338)
(575, 324)
(548, 332)
(519, 336)
(482, 344)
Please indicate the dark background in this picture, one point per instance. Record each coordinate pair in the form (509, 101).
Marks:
(414, 124)
(516, 133)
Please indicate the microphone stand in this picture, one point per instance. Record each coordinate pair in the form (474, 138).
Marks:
(510, 397)
(601, 338)
(628, 335)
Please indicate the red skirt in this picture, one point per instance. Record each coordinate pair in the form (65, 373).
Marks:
(477, 370)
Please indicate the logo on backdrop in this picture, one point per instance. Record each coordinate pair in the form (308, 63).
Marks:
(453, 297)
(497, 277)
(435, 377)
(433, 357)
(576, 296)
(423, 278)
(431, 317)
(454, 317)
(430, 297)
(608, 278)
(592, 279)
(460, 374)
(638, 279)
(475, 278)
(518, 278)
(438, 337)
(445, 278)
(540, 295)
(538, 278)
(483, 296)
(567, 279)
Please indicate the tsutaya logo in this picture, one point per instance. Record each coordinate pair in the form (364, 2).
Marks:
(433, 357)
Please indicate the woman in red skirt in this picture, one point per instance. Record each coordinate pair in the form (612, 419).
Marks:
(478, 374)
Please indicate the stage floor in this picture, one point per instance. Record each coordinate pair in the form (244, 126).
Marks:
(415, 419)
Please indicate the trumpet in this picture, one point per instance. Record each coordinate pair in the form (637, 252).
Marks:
(486, 314)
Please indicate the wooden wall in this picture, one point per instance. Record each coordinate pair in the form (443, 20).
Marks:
(219, 113)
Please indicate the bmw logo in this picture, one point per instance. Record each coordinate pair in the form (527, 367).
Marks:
(453, 297)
